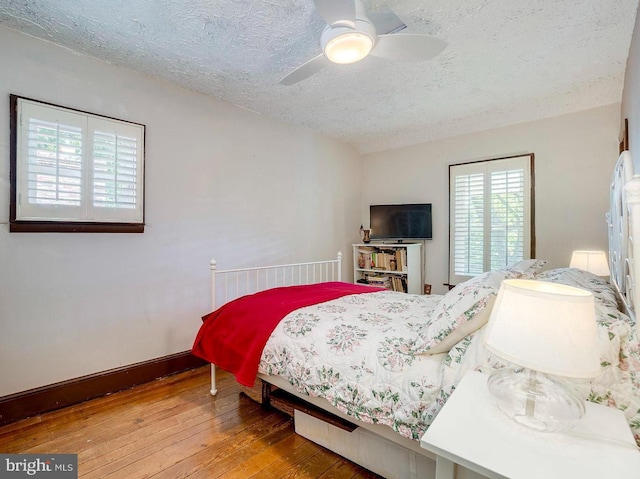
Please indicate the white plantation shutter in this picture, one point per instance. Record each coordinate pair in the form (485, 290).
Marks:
(490, 215)
(54, 163)
(114, 171)
(116, 183)
(507, 218)
(74, 166)
(469, 221)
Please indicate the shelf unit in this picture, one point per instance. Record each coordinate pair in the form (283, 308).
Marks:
(396, 266)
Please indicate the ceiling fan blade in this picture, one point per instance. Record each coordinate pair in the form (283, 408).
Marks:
(407, 47)
(386, 21)
(333, 11)
(305, 71)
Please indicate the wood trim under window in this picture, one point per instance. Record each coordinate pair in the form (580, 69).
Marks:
(18, 226)
(73, 227)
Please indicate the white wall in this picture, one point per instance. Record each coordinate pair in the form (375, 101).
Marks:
(220, 181)
(574, 157)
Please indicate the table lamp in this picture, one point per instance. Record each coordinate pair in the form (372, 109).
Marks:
(593, 261)
(548, 331)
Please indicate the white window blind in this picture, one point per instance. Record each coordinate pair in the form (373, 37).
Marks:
(114, 171)
(490, 215)
(468, 201)
(54, 163)
(507, 217)
(77, 167)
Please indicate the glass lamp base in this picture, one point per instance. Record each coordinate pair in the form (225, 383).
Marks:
(535, 400)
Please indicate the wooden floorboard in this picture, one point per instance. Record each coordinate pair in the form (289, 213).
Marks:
(173, 428)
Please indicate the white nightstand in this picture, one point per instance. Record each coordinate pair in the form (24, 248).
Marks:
(471, 431)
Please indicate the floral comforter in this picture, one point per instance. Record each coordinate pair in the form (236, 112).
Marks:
(363, 359)
(360, 353)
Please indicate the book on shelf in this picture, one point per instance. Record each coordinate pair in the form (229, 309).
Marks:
(399, 283)
(393, 282)
(401, 259)
(383, 281)
(378, 278)
(399, 262)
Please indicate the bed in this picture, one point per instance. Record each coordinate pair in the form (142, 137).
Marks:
(386, 362)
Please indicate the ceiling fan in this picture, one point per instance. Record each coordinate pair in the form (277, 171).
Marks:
(350, 35)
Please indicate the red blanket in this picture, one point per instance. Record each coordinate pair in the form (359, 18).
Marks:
(234, 335)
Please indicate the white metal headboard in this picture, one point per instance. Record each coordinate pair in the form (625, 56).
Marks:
(624, 233)
(229, 284)
(233, 283)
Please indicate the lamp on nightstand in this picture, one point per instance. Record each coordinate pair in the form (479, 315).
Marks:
(593, 261)
(549, 331)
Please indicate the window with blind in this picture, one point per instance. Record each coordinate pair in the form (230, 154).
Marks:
(491, 215)
(74, 171)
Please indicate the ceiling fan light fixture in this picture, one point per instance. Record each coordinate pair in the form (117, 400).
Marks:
(350, 36)
(349, 47)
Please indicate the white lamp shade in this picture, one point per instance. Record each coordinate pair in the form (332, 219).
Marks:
(546, 327)
(593, 261)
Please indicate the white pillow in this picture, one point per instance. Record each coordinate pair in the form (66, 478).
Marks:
(467, 307)
(462, 311)
(478, 320)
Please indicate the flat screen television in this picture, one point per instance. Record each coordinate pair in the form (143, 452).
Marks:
(407, 221)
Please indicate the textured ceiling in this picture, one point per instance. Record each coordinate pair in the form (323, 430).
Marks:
(508, 61)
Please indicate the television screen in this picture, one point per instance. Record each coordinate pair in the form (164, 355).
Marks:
(408, 221)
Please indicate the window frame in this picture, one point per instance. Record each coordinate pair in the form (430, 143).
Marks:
(453, 279)
(65, 225)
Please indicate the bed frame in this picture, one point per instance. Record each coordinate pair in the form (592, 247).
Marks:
(376, 447)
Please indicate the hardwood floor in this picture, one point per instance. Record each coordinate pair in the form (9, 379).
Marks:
(173, 428)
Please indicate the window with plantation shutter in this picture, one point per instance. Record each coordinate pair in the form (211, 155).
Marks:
(491, 214)
(74, 171)
(54, 163)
